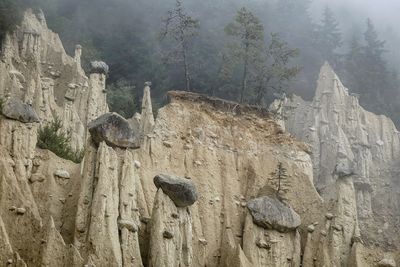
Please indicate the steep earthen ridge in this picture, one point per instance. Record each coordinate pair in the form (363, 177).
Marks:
(220, 104)
(352, 144)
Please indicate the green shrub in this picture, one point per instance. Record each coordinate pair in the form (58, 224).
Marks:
(121, 98)
(51, 137)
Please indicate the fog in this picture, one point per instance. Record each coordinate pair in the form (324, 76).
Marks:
(352, 14)
(125, 34)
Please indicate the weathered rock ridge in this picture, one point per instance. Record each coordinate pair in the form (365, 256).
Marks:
(354, 150)
(107, 211)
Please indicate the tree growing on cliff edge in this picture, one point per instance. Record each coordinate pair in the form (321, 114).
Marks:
(181, 28)
(273, 71)
(248, 34)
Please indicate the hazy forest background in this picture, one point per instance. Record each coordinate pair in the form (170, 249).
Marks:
(243, 50)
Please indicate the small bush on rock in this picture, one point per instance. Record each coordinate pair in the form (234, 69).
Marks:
(52, 137)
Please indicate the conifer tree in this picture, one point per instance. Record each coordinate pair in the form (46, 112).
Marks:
(181, 28)
(274, 71)
(328, 37)
(280, 182)
(248, 34)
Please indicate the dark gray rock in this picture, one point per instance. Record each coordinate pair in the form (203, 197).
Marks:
(167, 234)
(270, 213)
(181, 191)
(99, 67)
(344, 167)
(113, 129)
(15, 109)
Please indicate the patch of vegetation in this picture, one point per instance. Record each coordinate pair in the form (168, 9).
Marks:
(280, 182)
(121, 97)
(52, 137)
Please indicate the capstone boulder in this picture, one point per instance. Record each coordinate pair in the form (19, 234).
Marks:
(271, 213)
(181, 191)
(15, 109)
(113, 129)
(99, 67)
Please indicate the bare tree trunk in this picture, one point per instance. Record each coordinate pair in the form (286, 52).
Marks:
(244, 80)
(186, 66)
(185, 61)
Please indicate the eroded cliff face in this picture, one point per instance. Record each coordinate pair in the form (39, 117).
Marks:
(108, 211)
(354, 150)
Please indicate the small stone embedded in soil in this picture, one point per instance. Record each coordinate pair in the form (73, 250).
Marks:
(262, 244)
(167, 144)
(145, 220)
(62, 174)
(329, 216)
(167, 235)
(203, 241)
(21, 211)
(137, 164)
(127, 224)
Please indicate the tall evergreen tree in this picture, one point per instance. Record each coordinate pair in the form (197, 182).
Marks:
(182, 28)
(376, 78)
(248, 34)
(352, 70)
(274, 70)
(295, 25)
(328, 37)
(368, 74)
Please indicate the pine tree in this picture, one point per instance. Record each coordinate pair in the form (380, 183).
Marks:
(248, 34)
(374, 66)
(181, 28)
(328, 37)
(280, 182)
(295, 25)
(274, 72)
(367, 73)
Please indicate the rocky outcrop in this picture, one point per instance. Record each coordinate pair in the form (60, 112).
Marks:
(182, 192)
(171, 234)
(107, 210)
(17, 110)
(270, 213)
(355, 154)
(114, 130)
